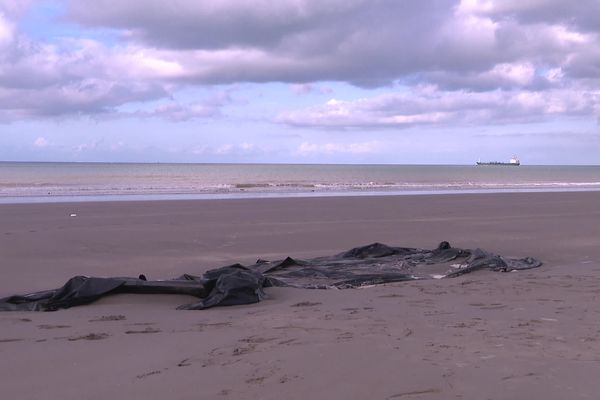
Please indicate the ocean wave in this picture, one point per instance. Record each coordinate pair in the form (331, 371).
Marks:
(25, 190)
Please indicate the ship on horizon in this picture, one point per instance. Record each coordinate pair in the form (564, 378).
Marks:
(512, 162)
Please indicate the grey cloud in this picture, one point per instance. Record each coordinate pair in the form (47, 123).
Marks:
(176, 111)
(85, 97)
(475, 46)
(365, 42)
(585, 64)
(75, 77)
(580, 14)
(432, 107)
(503, 76)
(243, 23)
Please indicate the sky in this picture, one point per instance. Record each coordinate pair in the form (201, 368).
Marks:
(300, 81)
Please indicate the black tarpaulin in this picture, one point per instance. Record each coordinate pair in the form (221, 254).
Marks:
(237, 284)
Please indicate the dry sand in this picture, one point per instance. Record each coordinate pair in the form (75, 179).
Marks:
(523, 335)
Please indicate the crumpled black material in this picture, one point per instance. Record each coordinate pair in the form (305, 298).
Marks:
(237, 284)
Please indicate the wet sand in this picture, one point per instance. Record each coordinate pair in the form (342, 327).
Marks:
(531, 334)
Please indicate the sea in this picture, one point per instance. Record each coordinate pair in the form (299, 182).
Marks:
(29, 182)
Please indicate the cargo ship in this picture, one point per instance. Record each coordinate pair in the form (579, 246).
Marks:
(512, 162)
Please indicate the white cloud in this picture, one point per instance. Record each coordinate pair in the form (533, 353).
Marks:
(40, 142)
(431, 106)
(224, 149)
(91, 146)
(179, 112)
(307, 148)
(6, 30)
(227, 149)
(520, 73)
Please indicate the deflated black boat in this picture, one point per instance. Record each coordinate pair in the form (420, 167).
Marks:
(237, 284)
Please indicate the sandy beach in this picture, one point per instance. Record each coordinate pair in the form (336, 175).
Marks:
(487, 335)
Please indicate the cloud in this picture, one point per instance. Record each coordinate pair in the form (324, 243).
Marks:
(306, 88)
(302, 89)
(212, 25)
(365, 42)
(291, 41)
(430, 106)
(460, 46)
(582, 14)
(40, 142)
(307, 148)
(243, 150)
(177, 111)
(75, 77)
(6, 30)
(84, 147)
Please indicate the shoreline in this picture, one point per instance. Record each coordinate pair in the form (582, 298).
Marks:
(35, 199)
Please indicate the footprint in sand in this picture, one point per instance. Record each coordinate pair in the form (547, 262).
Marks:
(306, 304)
(184, 363)
(258, 376)
(287, 341)
(91, 336)
(240, 351)
(10, 340)
(147, 374)
(108, 318)
(415, 393)
(45, 326)
(527, 375)
(201, 326)
(344, 336)
(250, 344)
(257, 339)
(147, 330)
